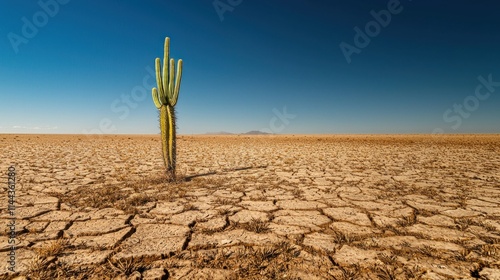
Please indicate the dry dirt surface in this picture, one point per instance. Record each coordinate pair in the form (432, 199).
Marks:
(253, 207)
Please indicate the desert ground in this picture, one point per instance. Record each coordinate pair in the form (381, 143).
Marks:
(253, 207)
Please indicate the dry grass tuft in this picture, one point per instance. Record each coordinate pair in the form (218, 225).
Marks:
(140, 199)
(256, 225)
(96, 197)
(413, 272)
(388, 259)
(348, 273)
(427, 250)
(344, 238)
(52, 249)
(45, 266)
(224, 211)
(464, 223)
(462, 255)
(224, 201)
(387, 272)
(408, 220)
(128, 266)
(250, 262)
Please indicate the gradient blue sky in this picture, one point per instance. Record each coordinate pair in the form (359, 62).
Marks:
(70, 76)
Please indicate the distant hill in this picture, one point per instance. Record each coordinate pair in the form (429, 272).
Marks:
(256, 132)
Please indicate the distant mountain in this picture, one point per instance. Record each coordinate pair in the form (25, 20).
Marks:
(256, 132)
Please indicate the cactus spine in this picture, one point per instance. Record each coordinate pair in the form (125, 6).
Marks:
(165, 97)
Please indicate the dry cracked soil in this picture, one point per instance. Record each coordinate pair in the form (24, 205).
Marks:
(252, 207)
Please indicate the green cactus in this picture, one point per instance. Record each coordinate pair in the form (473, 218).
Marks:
(165, 98)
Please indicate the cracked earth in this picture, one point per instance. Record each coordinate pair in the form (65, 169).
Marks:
(254, 207)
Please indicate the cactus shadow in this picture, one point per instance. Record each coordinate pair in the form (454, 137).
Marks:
(244, 168)
(191, 177)
(225, 170)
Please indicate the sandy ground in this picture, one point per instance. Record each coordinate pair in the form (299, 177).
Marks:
(253, 207)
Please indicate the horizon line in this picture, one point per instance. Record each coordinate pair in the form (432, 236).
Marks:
(245, 134)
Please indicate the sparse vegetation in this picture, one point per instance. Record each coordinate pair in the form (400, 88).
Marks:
(256, 225)
(344, 238)
(249, 262)
(348, 273)
(127, 267)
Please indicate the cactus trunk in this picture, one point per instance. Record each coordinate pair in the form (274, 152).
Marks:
(165, 97)
(168, 145)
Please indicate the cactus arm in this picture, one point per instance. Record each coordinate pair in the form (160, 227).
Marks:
(177, 82)
(165, 67)
(156, 98)
(159, 82)
(171, 81)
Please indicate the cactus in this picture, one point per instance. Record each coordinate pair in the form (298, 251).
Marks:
(165, 98)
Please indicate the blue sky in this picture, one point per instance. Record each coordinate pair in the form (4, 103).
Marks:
(74, 66)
